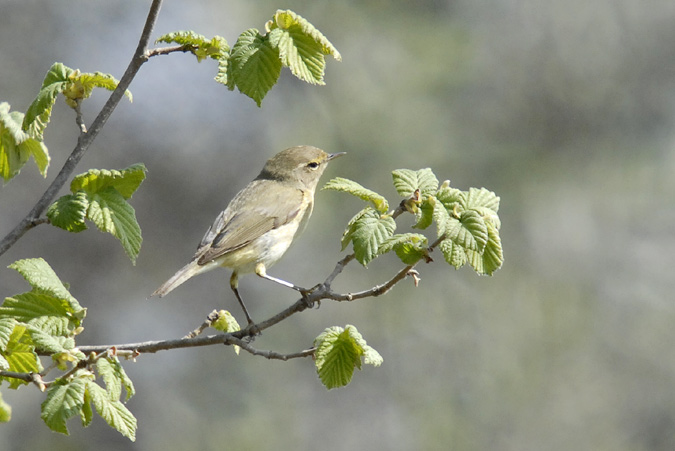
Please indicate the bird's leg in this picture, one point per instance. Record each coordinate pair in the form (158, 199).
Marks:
(262, 272)
(234, 284)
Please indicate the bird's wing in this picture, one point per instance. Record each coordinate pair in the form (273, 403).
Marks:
(242, 223)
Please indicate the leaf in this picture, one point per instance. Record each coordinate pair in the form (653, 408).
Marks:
(49, 343)
(39, 112)
(82, 85)
(451, 198)
(65, 399)
(111, 371)
(43, 279)
(492, 257)
(409, 247)
(287, 19)
(477, 198)
(6, 328)
(338, 353)
(69, 212)
(425, 213)
(112, 214)
(125, 181)
(453, 253)
(227, 323)
(367, 233)
(406, 181)
(215, 48)
(16, 146)
(300, 53)
(20, 355)
(355, 189)
(254, 65)
(112, 411)
(5, 411)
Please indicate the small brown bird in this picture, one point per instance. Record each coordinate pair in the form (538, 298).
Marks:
(261, 221)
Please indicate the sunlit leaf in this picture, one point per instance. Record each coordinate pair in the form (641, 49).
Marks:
(355, 189)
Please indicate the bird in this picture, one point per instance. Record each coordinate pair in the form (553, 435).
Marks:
(261, 222)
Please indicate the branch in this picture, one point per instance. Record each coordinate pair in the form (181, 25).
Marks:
(86, 138)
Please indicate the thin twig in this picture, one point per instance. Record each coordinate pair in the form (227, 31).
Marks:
(86, 137)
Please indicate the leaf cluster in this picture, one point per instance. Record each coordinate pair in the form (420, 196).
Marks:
(253, 65)
(467, 222)
(46, 321)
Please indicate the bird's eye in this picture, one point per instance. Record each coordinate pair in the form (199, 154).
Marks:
(312, 165)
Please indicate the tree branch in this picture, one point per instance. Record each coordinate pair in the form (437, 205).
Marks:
(87, 137)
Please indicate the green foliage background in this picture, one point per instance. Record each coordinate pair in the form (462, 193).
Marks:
(562, 108)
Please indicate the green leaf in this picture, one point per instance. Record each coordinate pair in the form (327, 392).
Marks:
(112, 214)
(125, 181)
(111, 371)
(226, 322)
(409, 247)
(425, 213)
(87, 412)
(407, 182)
(492, 257)
(6, 328)
(20, 355)
(215, 48)
(287, 20)
(82, 85)
(39, 112)
(338, 353)
(69, 212)
(452, 198)
(481, 198)
(254, 65)
(367, 231)
(112, 411)
(355, 189)
(453, 253)
(300, 53)
(16, 146)
(5, 411)
(44, 280)
(49, 343)
(65, 399)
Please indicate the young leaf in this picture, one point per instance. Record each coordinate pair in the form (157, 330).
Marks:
(125, 181)
(453, 253)
(69, 212)
(407, 181)
(216, 48)
(112, 411)
(491, 258)
(112, 214)
(6, 328)
(114, 376)
(338, 353)
(477, 198)
(20, 355)
(65, 399)
(409, 247)
(355, 189)
(425, 213)
(39, 112)
(82, 84)
(254, 65)
(367, 233)
(288, 19)
(227, 323)
(17, 146)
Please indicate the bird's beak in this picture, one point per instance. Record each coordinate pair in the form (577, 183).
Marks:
(335, 155)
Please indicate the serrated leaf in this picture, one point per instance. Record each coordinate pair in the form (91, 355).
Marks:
(50, 314)
(82, 85)
(40, 110)
(474, 224)
(409, 247)
(111, 213)
(492, 257)
(64, 400)
(87, 413)
(214, 48)
(254, 65)
(69, 212)
(425, 213)
(477, 198)
(43, 279)
(5, 411)
(48, 343)
(451, 198)
(6, 328)
(115, 378)
(367, 233)
(16, 146)
(223, 64)
(125, 181)
(347, 234)
(287, 19)
(112, 411)
(355, 189)
(338, 353)
(453, 253)
(407, 181)
(300, 53)
(20, 355)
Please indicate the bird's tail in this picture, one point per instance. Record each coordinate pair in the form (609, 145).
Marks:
(186, 272)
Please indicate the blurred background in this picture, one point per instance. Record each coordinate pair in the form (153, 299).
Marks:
(564, 108)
